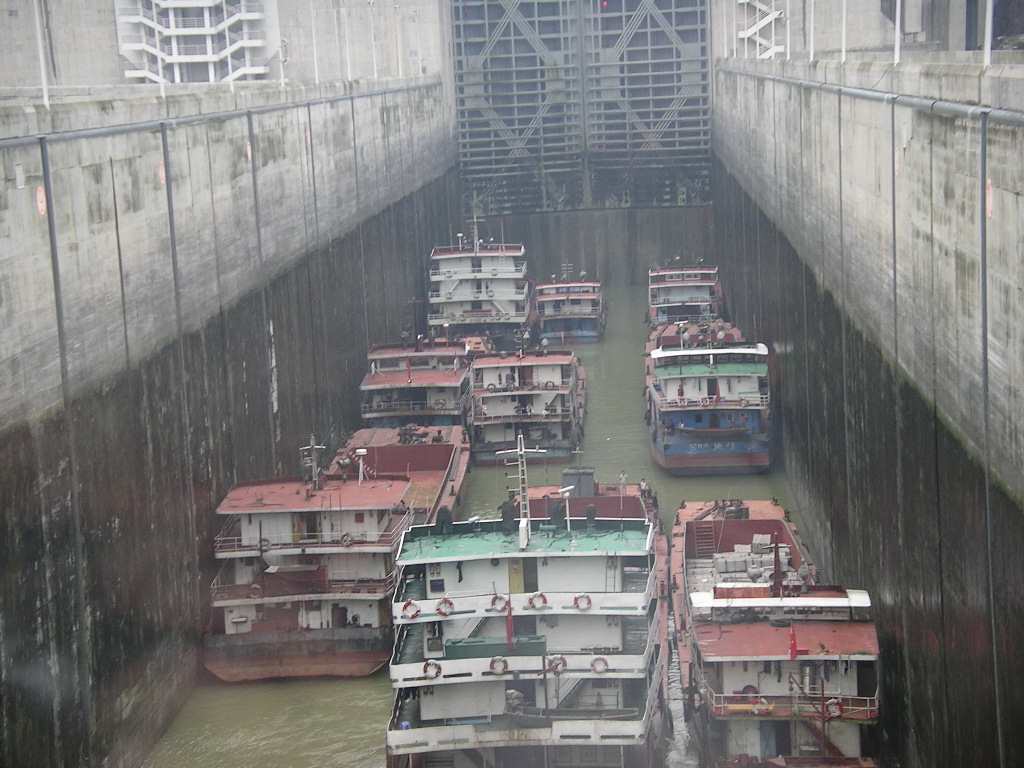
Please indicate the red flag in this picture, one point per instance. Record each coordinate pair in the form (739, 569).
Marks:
(508, 626)
(408, 370)
(792, 643)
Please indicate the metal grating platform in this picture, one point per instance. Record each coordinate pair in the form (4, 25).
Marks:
(582, 103)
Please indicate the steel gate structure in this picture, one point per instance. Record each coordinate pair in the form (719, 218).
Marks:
(575, 104)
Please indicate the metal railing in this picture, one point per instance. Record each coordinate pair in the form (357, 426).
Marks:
(229, 540)
(738, 401)
(381, 408)
(348, 582)
(815, 704)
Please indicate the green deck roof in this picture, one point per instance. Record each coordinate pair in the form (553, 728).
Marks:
(422, 544)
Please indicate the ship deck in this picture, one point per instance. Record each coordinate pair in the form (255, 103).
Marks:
(487, 538)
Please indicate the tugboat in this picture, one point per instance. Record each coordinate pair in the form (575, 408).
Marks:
(537, 639)
(777, 668)
(708, 400)
(570, 310)
(538, 394)
(308, 561)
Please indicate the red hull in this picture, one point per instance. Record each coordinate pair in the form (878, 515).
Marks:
(343, 664)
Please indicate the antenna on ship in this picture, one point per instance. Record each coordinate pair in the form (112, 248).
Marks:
(521, 451)
(566, 491)
(309, 459)
(360, 453)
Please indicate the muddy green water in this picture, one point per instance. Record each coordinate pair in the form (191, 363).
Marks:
(327, 723)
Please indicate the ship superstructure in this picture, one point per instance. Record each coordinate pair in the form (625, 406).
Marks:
(308, 561)
(426, 382)
(531, 640)
(777, 668)
(684, 294)
(570, 310)
(708, 400)
(540, 395)
(479, 286)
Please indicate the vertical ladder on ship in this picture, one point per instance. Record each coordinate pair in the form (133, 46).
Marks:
(704, 538)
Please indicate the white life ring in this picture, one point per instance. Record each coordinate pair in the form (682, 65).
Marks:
(255, 591)
(448, 295)
(538, 600)
(760, 707)
(599, 665)
(447, 273)
(549, 385)
(582, 602)
(743, 402)
(500, 603)
(410, 610)
(558, 664)
(499, 665)
(490, 292)
(444, 607)
(439, 404)
(264, 545)
(834, 708)
(491, 387)
(704, 402)
(431, 669)
(346, 539)
(494, 273)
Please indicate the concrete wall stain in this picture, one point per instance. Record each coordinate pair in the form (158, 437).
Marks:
(891, 501)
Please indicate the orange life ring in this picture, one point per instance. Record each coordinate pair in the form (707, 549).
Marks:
(834, 708)
(582, 602)
(431, 669)
(499, 603)
(410, 610)
(599, 665)
(346, 539)
(499, 665)
(255, 591)
(558, 664)
(538, 600)
(444, 606)
(439, 404)
(760, 707)
(743, 402)
(704, 402)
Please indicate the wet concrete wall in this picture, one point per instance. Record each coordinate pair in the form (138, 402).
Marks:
(204, 305)
(888, 203)
(877, 354)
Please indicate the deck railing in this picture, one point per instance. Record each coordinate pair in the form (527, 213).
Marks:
(345, 582)
(440, 405)
(817, 704)
(230, 538)
(737, 401)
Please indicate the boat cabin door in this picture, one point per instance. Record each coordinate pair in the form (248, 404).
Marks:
(522, 575)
